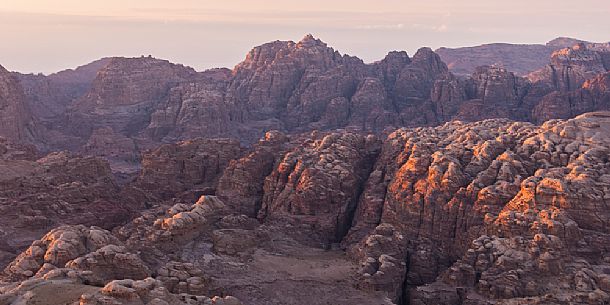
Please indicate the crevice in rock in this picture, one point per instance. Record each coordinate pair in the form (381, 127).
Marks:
(352, 207)
(404, 288)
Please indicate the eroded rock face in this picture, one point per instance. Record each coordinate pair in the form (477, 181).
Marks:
(120, 107)
(58, 247)
(319, 182)
(531, 190)
(148, 291)
(242, 183)
(490, 212)
(60, 188)
(570, 68)
(594, 95)
(495, 93)
(195, 164)
(49, 96)
(123, 96)
(521, 59)
(193, 110)
(16, 121)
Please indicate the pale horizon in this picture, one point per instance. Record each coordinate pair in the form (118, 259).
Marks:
(49, 36)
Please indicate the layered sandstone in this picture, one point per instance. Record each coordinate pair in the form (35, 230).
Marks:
(195, 164)
(16, 121)
(37, 195)
(521, 59)
(491, 212)
(119, 107)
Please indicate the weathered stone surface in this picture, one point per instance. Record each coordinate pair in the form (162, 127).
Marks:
(36, 196)
(58, 247)
(570, 68)
(150, 292)
(108, 263)
(122, 106)
(49, 96)
(194, 164)
(241, 185)
(16, 120)
(593, 95)
(319, 182)
(531, 190)
(521, 59)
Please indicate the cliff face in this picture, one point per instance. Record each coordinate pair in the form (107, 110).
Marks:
(570, 68)
(521, 59)
(16, 121)
(119, 107)
(49, 96)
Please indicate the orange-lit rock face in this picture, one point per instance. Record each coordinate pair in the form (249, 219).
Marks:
(491, 211)
(536, 196)
(319, 182)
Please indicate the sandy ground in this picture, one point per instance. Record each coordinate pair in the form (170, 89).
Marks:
(52, 293)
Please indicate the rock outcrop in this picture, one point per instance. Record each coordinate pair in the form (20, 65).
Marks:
(123, 95)
(37, 195)
(16, 120)
(49, 96)
(570, 68)
(319, 182)
(119, 107)
(593, 95)
(521, 59)
(189, 165)
(489, 212)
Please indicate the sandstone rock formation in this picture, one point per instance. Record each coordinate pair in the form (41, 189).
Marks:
(49, 96)
(521, 59)
(570, 68)
(593, 95)
(395, 182)
(319, 182)
(37, 195)
(194, 164)
(491, 212)
(16, 121)
(119, 107)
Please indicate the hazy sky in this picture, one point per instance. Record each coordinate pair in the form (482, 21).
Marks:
(51, 35)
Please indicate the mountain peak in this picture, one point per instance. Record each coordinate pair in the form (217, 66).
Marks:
(564, 42)
(310, 41)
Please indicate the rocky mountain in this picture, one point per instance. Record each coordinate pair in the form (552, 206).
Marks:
(521, 59)
(50, 95)
(16, 120)
(304, 176)
(489, 212)
(117, 108)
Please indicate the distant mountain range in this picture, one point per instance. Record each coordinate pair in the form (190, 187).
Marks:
(117, 107)
(520, 59)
